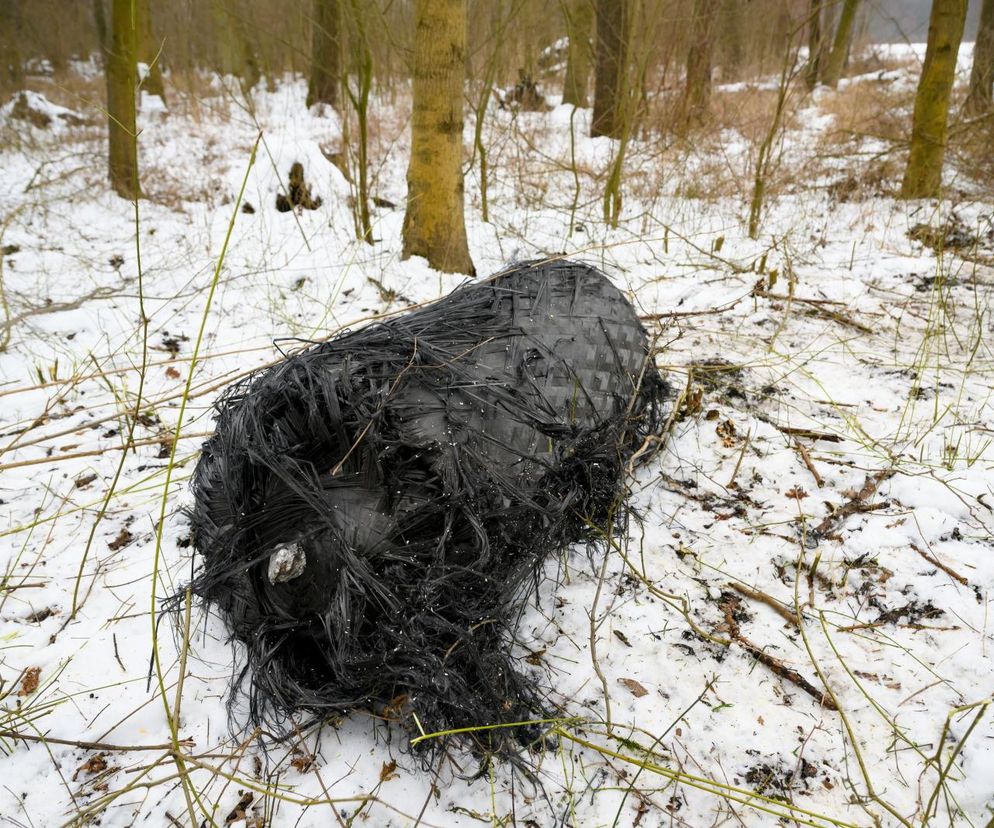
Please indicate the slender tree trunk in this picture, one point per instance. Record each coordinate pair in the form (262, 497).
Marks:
(100, 24)
(434, 224)
(235, 55)
(923, 176)
(149, 51)
(840, 46)
(733, 38)
(359, 98)
(696, 101)
(612, 62)
(980, 99)
(322, 85)
(579, 16)
(11, 40)
(120, 71)
(814, 44)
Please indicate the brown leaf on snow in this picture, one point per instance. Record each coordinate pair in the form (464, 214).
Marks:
(303, 761)
(29, 681)
(238, 812)
(797, 493)
(637, 689)
(95, 764)
(84, 480)
(124, 537)
(387, 772)
(726, 431)
(172, 373)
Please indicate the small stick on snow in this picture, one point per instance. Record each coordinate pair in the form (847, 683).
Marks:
(857, 503)
(778, 607)
(807, 462)
(78, 743)
(936, 562)
(738, 463)
(775, 664)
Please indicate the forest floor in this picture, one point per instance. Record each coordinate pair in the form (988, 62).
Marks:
(816, 533)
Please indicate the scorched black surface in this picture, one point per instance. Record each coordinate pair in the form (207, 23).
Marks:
(373, 513)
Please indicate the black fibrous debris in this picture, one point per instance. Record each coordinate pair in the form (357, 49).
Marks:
(372, 514)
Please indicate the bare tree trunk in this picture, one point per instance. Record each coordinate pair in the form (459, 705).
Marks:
(359, 98)
(814, 44)
(980, 99)
(434, 224)
(120, 71)
(733, 39)
(840, 46)
(149, 51)
(923, 176)
(322, 85)
(612, 62)
(696, 101)
(100, 24)
(579, 15)
(11, 39)
(235, 55)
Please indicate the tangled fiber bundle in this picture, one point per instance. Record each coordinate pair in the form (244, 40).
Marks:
(373, 513)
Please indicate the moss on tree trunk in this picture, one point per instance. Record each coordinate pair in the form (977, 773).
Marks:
(434, 225)
(612, 61)
(120, 71)
(579, 16)
(840, 46)
(923, 176)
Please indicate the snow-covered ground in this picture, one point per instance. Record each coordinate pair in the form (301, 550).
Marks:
(825, 497)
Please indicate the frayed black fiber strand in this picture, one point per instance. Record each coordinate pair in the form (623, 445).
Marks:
(372, 514)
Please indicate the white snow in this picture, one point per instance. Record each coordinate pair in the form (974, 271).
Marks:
(883, 352)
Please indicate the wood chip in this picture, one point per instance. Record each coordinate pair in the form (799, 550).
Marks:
(637, 689)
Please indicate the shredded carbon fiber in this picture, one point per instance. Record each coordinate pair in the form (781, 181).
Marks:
(373, 514)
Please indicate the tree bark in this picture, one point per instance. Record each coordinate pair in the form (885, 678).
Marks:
(434, 224)
(814, 44)
(322, 85)
(235, 55)
(121, 74)
(579, 16)
(923, 176)
(980, 100)
(696, 101)
(149, 51)
(733, 38)
(100, 24)
(840, 46)
(612, 61)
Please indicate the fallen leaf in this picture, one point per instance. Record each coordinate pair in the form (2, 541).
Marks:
(387, 772)
(535, 657)
(95, 764)
(303, 761)
(797, 493)
(124, 537)
(238, 812)
(637, 689)
(29, 681)
(172, 373)
(726, 431)
(622, 638)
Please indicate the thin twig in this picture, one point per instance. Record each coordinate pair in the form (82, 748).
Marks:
(857, 503)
